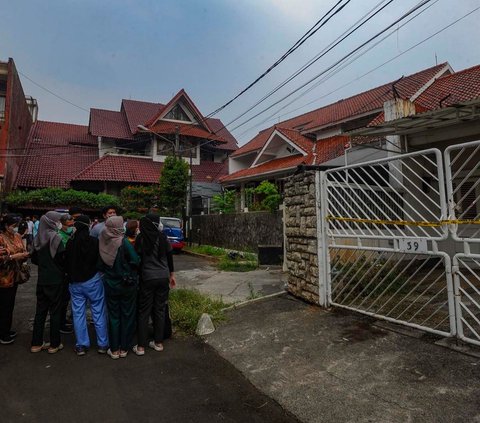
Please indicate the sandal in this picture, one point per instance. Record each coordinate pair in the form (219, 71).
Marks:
(53, 350)
(38, 348)
(123, 354)
(113, 355)
(137, 351)
(156, 347)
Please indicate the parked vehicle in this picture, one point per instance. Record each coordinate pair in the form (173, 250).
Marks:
(172, 228)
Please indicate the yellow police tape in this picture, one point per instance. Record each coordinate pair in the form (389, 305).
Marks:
(405, 222)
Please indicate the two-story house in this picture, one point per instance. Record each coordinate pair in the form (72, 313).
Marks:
(128, 147)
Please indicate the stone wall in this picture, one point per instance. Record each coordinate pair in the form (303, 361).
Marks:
(238, 231)
(301, 236)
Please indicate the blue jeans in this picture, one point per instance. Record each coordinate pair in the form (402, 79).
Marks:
(92, 291)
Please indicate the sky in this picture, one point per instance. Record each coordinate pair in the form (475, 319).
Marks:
(94, 53)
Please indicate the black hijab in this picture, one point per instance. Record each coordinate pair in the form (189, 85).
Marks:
(82, 252)
(150, 234)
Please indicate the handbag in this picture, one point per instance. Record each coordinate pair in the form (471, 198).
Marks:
(22, 273)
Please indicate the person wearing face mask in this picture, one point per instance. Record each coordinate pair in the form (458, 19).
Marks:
(49, 255)
(119, 263)
(12, 253)
(86, 285)
(66, 232)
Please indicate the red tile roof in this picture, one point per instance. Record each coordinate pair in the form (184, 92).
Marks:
(219, 129)
(119, 168)
(365, 102)
(167, 127)
(109, 124)
(191, 105)
(256, 143)
(55, 153)
(139, 112)
(300, 140)
(452, 89)
(272, 166)
(322, 151)
(209, 171)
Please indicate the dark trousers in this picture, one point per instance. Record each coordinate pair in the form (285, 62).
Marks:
(122, 309)
(152, 301)
(65, 301)
(49, 301)
(7, 303)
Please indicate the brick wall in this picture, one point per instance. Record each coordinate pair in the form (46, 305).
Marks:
(15, 129)
(301, 236)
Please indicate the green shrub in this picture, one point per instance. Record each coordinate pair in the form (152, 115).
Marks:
(57, 197)
(186, 307)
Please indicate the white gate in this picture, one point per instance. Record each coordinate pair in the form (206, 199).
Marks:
(381, 224)
(462, 164)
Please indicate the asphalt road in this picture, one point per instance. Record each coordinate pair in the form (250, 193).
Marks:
(188, 382)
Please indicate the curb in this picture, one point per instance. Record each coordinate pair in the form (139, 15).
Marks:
(255, 300)
(204, 256)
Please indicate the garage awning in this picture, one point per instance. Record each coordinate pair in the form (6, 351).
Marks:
(434, 119)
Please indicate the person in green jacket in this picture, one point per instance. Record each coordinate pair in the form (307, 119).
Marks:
(49, 255)
(119, 263)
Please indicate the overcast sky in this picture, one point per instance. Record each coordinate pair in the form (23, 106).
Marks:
(94, 53)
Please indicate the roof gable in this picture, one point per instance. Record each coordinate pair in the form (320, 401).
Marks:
(139, 112)
(280, 137)
(187, 106)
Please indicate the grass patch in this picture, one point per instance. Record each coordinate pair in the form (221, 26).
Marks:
(229, 260)
(236, 265)
(186, 307)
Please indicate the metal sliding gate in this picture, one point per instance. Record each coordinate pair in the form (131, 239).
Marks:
(401, 239)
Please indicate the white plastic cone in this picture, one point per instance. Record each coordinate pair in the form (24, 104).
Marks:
(205, 325)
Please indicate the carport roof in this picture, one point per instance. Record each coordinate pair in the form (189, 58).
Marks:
(457, 113)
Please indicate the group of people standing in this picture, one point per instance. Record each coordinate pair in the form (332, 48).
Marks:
(125, 279)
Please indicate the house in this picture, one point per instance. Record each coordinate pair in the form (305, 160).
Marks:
(322, 136)
(17, 113)
(128, 147)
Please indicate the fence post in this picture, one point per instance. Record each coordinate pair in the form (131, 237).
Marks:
(322, 243)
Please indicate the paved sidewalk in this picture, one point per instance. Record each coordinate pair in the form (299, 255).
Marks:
(341, 367)
(198, 273)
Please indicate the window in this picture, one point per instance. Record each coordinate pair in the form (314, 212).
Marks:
(177, 113)
(2, 107)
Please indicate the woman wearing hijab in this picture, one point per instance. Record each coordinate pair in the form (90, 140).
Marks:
(86, 285)
(49, 255)
(119, 262)
(157, 277)
(12, 253)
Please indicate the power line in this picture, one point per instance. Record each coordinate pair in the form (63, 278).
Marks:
(333, 73)
(356, 26)
(316, 27)
(422, 3)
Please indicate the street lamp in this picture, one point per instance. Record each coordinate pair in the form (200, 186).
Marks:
(174, 145)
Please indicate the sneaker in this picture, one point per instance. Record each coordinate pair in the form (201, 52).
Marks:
(38, 348)
(66, 329)
(156, 347)
(7, 340)
(137, 351)
(113, 355)
(53, 350)
(102, 350)
(12, 333)
(123, 354)
(80, 351)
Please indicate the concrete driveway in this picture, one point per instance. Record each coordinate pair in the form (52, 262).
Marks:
(336, 366)
(231, 287)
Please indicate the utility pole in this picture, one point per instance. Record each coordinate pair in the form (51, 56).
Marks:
(190, 201)
(177, 141)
